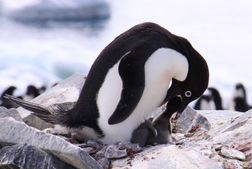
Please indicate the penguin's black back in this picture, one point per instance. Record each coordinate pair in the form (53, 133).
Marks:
(241, 104)
(145, 38)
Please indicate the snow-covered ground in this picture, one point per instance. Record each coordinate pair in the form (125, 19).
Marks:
(219, 30)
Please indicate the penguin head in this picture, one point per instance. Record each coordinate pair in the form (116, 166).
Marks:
(196, 81)
(9, 91)
(240, 91)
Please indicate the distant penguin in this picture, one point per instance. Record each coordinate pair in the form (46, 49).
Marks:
(6, 102)
(31, 93)
(205, 102)
(211, 101)
(241, 105)
(42, 89)
(240, 91)
(239, 99)
(129, 79)
(216, 98)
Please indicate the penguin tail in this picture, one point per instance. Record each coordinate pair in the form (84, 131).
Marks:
(47, 114)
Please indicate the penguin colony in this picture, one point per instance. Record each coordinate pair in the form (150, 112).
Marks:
(213, 100)
(31, 93)
(141, 69)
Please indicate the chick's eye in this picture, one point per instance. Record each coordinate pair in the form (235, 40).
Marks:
(188, 93)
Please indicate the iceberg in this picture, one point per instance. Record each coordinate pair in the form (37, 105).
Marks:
(43, 10)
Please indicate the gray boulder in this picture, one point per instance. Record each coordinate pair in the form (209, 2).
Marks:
(4, 112)
(166, 156)
(27, 156)
(189, 121)
(14, 132)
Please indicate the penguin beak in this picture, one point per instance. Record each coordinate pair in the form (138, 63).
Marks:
(184, 104)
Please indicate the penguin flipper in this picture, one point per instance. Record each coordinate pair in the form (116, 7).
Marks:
(40, 111)
(153, 130)
(131, 70)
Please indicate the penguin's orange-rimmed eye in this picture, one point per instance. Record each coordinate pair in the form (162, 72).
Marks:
(188, 93)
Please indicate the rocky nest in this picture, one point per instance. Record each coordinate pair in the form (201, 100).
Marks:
(202, 139)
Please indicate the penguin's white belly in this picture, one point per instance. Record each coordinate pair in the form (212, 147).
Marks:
(159, 70)
(205, 105)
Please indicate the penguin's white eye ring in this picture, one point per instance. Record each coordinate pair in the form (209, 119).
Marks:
(188, 93)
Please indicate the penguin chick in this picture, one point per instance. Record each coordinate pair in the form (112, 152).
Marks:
(157, 131)
(129, 79)
(142, 132)
(163, 124)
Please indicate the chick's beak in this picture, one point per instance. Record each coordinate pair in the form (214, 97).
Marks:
(183, 105)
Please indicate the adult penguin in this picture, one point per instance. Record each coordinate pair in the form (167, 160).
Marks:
(138, 71)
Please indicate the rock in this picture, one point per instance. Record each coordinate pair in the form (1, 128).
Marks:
(233, 131)
(232, 153)
(166, 156)
(27, 156)
(113, 151)
(14, 132)
(90, 150)
(135, 148)
(57, 132)
(217, 118)
(217, 147)
(214, 156)
(247, 165)
(242, 145)
(91, 143)
(248, 155)
(4, 112)
(116, 151)
(231, 164)
(105, 163)
(100, 154)
(66, 92)
(190, 121)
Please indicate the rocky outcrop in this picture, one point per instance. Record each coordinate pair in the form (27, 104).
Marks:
(27, 156)
(14, 132)
(201, 139)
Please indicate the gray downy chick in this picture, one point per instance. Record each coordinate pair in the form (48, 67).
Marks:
(157, 131)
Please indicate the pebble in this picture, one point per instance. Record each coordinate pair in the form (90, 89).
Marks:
(232, 153)
(231, 164)
(113, 152)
